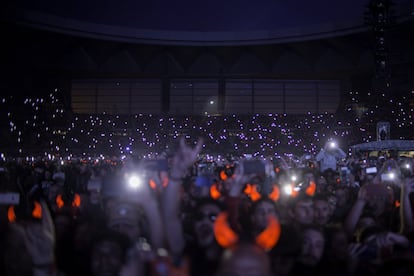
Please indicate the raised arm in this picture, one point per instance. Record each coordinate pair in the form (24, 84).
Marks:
(356, 212)
(39, 239)
(406, 210)
(183, 159)
(340, 153)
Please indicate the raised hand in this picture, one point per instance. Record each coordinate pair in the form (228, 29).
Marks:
(237, 182)
(408, 186)
(390, 239)
(363, 194)
(389, 166)
(184, 158)
(355, 250)
(135, 259)
(39, 239)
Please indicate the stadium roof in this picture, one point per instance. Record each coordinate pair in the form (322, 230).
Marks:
(186, 22)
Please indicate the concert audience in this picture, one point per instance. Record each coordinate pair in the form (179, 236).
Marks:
(192, 215)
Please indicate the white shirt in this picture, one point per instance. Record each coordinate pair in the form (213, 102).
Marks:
(329, 158)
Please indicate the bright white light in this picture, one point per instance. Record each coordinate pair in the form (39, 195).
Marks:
(287, 189)
(294, 178)
(332, 144)
(211, 102)
(407, 166)
(134, 181)
(391, 175)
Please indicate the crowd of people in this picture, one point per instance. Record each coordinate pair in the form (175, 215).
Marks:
(186, 213)
(33, 126)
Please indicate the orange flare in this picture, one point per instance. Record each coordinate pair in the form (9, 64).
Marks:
(11, 215)
(275, 194)
(255, 195)
(37, 210)
(76, 201)
(59, 201)
(223, 175)
(214, 192)
(310, 191)
(225, 236)
(270, 236)
(152, 184)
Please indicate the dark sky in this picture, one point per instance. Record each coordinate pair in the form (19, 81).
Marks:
(212, 15)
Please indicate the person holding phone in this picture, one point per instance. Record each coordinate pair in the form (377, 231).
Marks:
(372, 198)
(30, 246)
(329, 156)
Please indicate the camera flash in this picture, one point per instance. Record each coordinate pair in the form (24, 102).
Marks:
(134, 181)
(287, 189)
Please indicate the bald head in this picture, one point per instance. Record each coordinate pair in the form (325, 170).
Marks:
(245, 259)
